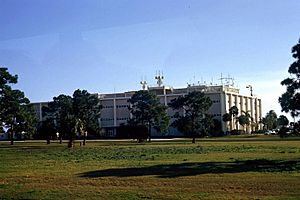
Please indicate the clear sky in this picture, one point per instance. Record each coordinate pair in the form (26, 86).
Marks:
(58, 46)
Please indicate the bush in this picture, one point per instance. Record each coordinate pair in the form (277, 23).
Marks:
(132, 132)
(237, 132)
(261, 131)
(283, 132)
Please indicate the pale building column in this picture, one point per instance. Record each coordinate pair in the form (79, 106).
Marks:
(115, 113)
(247, 109)
(223, 103)
(260, 111)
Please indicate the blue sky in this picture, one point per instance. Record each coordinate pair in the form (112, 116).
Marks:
(104, 46)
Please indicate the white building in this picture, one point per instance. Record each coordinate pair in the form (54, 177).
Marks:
(115, 106)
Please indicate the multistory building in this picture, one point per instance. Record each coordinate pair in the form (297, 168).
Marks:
(115, 111)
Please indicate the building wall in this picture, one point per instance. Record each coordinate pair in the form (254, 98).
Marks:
(250, 104)
(115, 106)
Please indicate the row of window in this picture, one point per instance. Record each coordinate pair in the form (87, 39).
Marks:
(111, 119)
(107, 119)
(123, 118)
(117, 106)
(122, 106)
(127, 106)
(107, 106)
(127, 118)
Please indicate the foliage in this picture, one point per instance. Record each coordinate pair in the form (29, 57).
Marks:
(138, 132)
(244, 119)
(46, 130)
(73, 116)
(16, 113)
(270, 121)
(216, 129)
(194, 119)
(60, 113)
(233, 111)
(147, 110)
(290, 100)
(283, 132)
(87, 109)
(228, 117)
(282, 121)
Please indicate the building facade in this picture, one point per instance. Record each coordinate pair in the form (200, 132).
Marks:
(115, 111)
(115, 106)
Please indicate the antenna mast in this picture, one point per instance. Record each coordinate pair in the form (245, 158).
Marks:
(227, 80)
(144, 84)
(159, 78)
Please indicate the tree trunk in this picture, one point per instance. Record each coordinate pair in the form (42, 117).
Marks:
(149, 132)
(48, 140)
(193, 131)
(194, 140)
(12, 136)
(71, 143)
(84, 139)
(60, 139)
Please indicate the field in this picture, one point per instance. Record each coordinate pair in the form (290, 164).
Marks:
(241, 167)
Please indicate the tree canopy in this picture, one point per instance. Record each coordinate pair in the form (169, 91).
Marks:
(233, 113)
(290, 100)
(191, 115)
(16, 113)
(270, 121)
(244, 119)
(147, 110)
(282, 121)
(73, 116)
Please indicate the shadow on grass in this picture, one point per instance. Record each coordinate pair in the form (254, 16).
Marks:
(190, 169)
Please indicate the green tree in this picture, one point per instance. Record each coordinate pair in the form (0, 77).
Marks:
(147, 110)
(191, 115)
(290, 100)
(87, 110)
(61, 112)
(216, 129)
(16, 113)
(47, 130)
(244, 119)
(233, 111)
(270, 120)
(282, 121)
(74, 116)
(228, 117)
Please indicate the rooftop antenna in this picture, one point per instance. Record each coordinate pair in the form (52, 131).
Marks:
(194, 80)
(250, 88)
(227, 80)
(144, 84)
(221, 79)
(159, 79)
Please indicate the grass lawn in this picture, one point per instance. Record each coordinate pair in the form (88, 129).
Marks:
(240, 167)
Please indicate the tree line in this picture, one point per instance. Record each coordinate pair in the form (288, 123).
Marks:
(78, 115)
(70, 117)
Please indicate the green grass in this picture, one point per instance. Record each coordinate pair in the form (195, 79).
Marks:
(235, 167)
